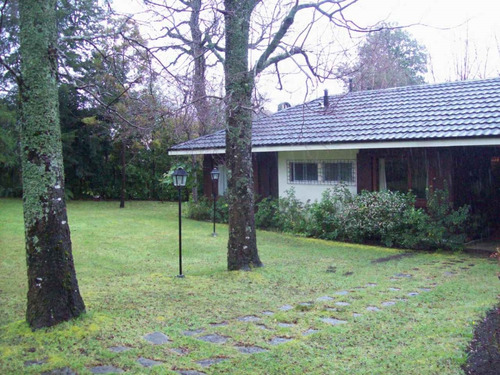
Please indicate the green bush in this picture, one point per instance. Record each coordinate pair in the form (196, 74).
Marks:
(204, 209)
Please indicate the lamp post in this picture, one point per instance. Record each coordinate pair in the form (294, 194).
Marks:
(180, 177)
(215, 177)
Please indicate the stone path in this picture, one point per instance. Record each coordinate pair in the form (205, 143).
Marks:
(287, 329)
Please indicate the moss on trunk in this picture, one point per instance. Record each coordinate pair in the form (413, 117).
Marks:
(53, 294)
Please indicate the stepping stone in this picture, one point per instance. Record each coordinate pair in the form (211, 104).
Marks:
(388, 303)
(250, 349)
(371, 284)
(145, 362)
(357, 315)
(342, 293)
(279, 340)
(286, 325)
(450, 273)
(214, 338)
(324, 298)
(407, 275)
(413, 294)
(106, 370)
(342, 303)
(261, 326)
(193, 332)
(190, 372)
(118, 349)
(393, 279)
(333, 321)
(157, 338)
(286, 307)
(60, 371)
(402, 299)
(221, 324)
(210, 361)
(267, 313)
(372, 308)
(180, 351)
(394, 289)
(36, 362)
(305, 304)
(331, 309)
(249, 318)
(425, 289)
(310, 332)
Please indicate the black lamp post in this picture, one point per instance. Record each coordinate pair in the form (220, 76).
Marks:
(215, 177)
(180, 177)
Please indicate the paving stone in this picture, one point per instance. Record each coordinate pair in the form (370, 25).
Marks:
(221, 324)
(60, 371)
(157, 338)
(371, 284)
(306, 304)
(267, 313)
(310, 331)
(286, 325)
(324, 298)
(413, 294)
(193, 332)
(286, 307)
(261, 326)
(180, 351)
(106, 370)
(393, 279)
(331, 309)
(372, 308)
(190, 372)
(214, 338)
(279, 340)
(406, 275)
(342, 293)
(249, 318)
(342, 303)
(119, 349)
(333, 321)
(450, 273)
(210, 361)
(357, 315)
(146, 362)
(388, 303)
(36, 362)
(394, 289)
(250, 349)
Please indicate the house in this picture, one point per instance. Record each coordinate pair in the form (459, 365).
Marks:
(416, 137)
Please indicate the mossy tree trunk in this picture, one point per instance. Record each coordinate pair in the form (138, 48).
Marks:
(53, 294)
(242, 244)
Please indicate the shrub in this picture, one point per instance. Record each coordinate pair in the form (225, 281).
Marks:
(204, 209)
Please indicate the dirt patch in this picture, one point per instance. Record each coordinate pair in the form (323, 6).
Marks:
(393, 257)
(484, 349)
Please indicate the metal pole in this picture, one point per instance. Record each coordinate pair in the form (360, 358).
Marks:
(214, 234)
(180, 235)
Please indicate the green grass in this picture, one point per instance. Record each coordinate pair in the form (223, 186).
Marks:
(126, 262)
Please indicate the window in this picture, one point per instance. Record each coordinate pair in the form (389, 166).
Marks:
(341, 171)
(322, 172)
(401, 174)
(303, 171)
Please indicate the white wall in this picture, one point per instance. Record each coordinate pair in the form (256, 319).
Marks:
(311, 191)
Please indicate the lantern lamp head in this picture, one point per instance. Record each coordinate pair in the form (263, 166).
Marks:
(180, 177)
(215, 174)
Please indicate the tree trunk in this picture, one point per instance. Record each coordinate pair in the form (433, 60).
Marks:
(242, 245)
(124, 175)
(53, 294)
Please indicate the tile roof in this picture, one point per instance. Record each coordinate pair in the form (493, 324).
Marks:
(455, 110)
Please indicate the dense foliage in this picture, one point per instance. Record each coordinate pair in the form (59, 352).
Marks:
(384, 217)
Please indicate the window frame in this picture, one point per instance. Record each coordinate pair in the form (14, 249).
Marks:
(321, 172)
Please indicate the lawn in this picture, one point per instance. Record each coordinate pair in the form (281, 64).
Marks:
(409, 315)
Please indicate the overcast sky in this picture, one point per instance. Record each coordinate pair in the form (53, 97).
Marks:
(442, 26)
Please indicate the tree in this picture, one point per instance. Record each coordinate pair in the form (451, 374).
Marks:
(53, 294)
(390, 57)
